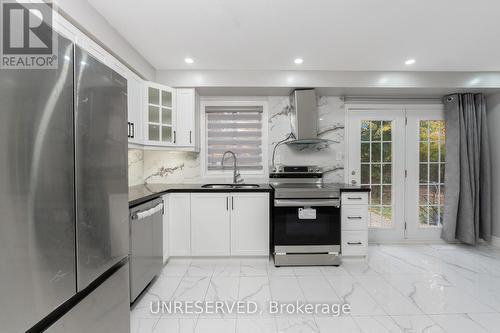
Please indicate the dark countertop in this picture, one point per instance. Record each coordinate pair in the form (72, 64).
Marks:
(354, 188)
(142, 193)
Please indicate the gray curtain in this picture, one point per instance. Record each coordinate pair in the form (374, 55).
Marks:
(467, 211)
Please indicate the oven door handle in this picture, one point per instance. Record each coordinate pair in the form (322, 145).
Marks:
(306, 202)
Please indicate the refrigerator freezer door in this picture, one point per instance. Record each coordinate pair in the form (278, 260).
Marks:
(37, 221)
(105, 310)
(101, 167)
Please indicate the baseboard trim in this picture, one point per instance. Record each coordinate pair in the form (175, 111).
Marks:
(410, 241)
(495, 241)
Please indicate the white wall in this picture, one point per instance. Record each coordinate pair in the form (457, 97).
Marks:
(83, 15)
(493, 115)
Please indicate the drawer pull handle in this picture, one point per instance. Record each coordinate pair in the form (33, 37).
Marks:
(354, 243)
(354, 198)
(355, 217)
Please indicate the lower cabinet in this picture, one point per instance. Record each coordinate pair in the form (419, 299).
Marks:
(210, 223)
(179, 219)
(249, 224)
(218, 224)
(355, 218)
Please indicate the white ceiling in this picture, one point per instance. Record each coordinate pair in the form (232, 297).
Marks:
(442, 35)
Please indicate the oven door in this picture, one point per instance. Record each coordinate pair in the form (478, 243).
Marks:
(313, 223)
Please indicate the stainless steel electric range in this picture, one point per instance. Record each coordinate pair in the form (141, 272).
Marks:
(306, 217)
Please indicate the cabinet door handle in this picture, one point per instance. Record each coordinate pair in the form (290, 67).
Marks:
(355, 217)
(227, 203)
(232, 203)
(128, 129)
(133, 130)
(354, 243)
(354, 198)
(175, 137)
(190, 137)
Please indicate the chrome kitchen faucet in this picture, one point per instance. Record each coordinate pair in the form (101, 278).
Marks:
(236, 174)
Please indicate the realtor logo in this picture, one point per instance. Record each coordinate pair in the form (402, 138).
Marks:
(28, 40)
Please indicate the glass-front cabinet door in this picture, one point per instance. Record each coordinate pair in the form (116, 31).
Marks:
(160, 125)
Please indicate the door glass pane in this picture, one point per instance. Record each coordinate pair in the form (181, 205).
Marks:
(154, 114)
(386, 173)
(431, 172)
(166, 134)
(166, 116)
(166, 99)
(376, 169)
(153, 96)
(365, 131)
(365, 174)
(365, 151)
(376, 151)
(154, 132)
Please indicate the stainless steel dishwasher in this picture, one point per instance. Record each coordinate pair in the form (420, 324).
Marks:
(146, 245)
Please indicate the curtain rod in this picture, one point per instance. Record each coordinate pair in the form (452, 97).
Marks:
(388, 99)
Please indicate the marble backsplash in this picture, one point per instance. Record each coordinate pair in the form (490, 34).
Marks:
(158, 166)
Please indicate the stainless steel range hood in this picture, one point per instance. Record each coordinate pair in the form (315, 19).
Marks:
(304, 117)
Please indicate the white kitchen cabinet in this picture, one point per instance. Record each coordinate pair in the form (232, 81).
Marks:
(135, 105)
(210, 224)
(159, 115)
(187, 115)
(354, 224)
(166, 223)
(179, 219)
(249, 223)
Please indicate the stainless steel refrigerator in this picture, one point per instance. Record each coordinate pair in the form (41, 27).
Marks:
(64, 197)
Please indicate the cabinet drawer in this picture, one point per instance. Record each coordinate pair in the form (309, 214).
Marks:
(355, 198)
(355, 217)
(354, 243)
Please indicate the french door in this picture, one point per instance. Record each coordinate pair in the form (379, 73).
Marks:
(398, 152)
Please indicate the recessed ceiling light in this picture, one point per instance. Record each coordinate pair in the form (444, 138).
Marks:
(188, 60)
(409, 62)
(298, 61)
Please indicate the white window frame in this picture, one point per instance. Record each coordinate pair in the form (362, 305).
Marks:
(233, 101)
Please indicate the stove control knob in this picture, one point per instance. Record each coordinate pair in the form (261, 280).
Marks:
(317, 170)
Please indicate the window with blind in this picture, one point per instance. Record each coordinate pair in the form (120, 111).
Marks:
(235, 128)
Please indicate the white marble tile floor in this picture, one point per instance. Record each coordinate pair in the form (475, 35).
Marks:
(398, 288)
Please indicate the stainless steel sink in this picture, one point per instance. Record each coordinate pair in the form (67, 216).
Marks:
(229, 186)
(217, 186)
(246, 186)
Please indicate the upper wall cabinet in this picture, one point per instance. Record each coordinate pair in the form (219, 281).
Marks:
(187, 115)
(135, 105)
(171, 117)
(159, 115)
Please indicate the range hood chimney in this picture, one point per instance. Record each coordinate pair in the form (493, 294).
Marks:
(304, 117)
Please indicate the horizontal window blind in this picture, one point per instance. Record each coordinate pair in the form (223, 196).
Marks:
(235, 128)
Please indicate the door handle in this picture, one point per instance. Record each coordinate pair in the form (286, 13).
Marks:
(128, 129)
(227, 203)
(133, 130)
(190, 137)
(232, 203)
(175, 137)
(354, 243)
(354, 217)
